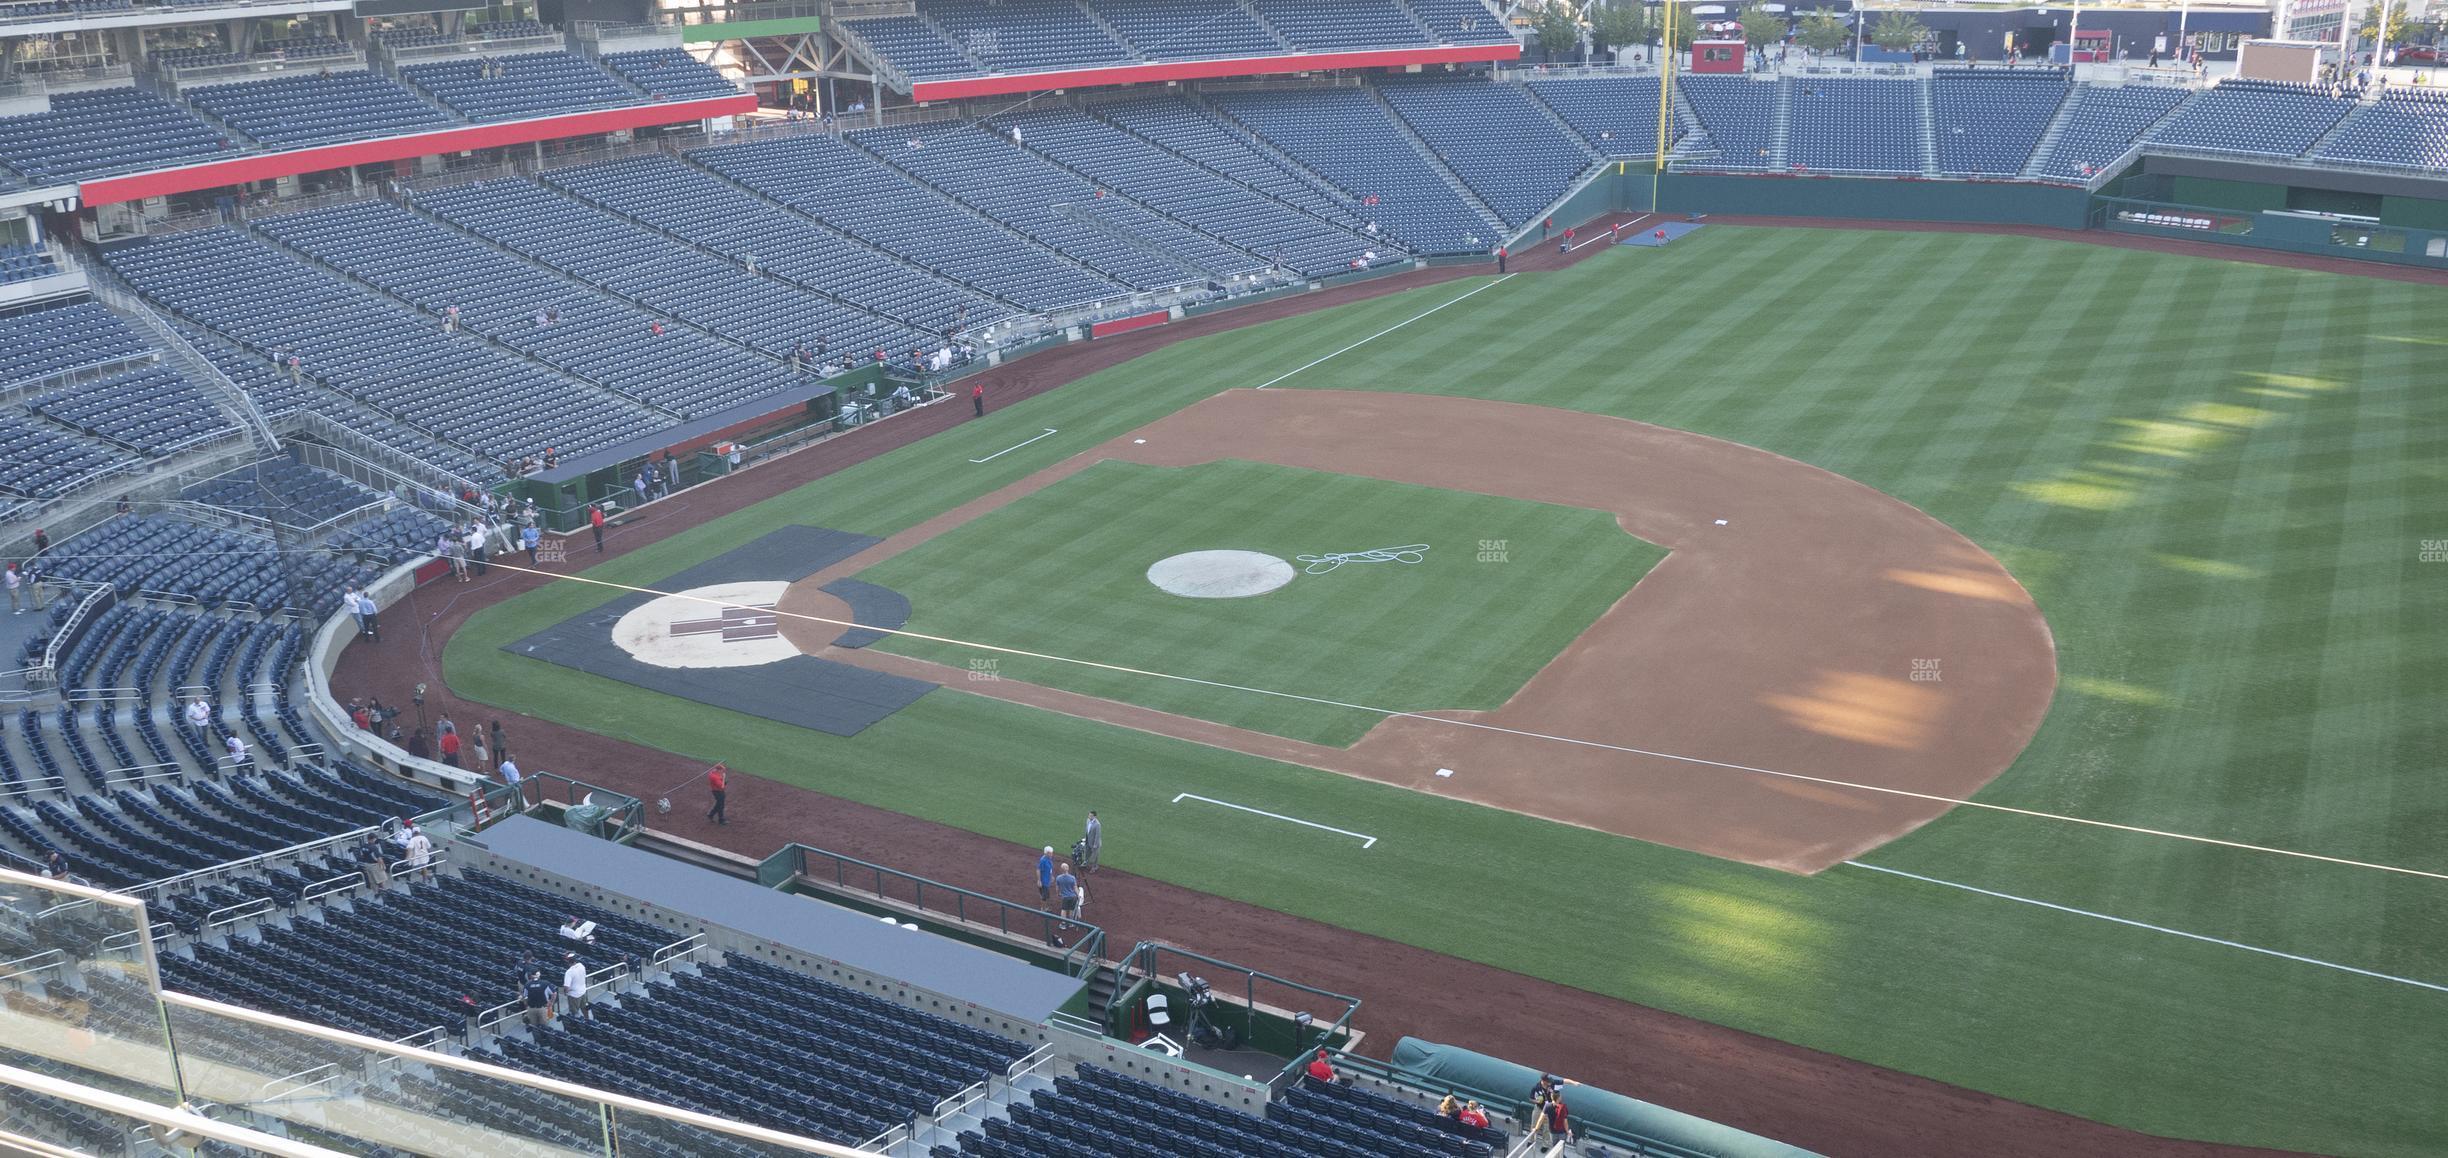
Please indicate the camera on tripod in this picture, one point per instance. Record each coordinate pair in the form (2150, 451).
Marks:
(1203, 1030)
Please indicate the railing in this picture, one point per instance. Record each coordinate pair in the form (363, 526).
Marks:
(148, 772)
(260, 67)
(126, 939)
(678, 951)
(29, 785)
(791, 863)
(884, 1142)
(70, 628)
(242, 911)
(32, 963)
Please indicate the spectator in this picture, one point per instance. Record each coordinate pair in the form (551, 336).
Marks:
(483, 756)
(16, 580)
(1559, 1122)
(579, 929)
(237, 750)
(419, 848)
(418, 747)
(369, 615)
(501, 745)
(199, 714)
(574, 986)
(450, 748)
(639, 485)
(55, 866)
(1320, 1068)
(42, 541)
(348, 600)
(1045, 875)
(718, 778)
(1449, 1108)
(1093, 843)
(373, 864)
(537, 994)
(1473, 1116)
(510, 775)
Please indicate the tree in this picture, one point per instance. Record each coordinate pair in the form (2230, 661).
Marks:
(1620, 25)
(1558, 25)
(1898, 31)
(2368, 33)
(1761, 27)
(1823, 32)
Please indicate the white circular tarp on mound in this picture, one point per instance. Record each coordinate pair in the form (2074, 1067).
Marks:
(724, 625)
(1220, 574)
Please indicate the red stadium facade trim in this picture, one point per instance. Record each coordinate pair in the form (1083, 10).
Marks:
(978, 86)
(266, 166)
(1126, 325)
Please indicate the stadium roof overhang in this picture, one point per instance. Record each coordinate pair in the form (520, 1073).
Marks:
(266, 166)
(1000, 84)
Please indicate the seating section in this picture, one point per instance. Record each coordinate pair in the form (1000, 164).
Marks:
(721, 219)
(669, 74)
(1027, 35)
(285, 492)
(628, 259)
(206, 565)
(1181, 128)
(743, 1040)
(1740, 116)
(1189, 29)
(296, 111)
(1059, 208)
(1989, 121)
(153, 411)
(508, 29)
(176, 58)
(1855, 125)
(456, 387)
(1616, 114)
(39, 462)
(2261, 117)
(59, 339)
(529, 308)
(2407, 127)
(2105, 124)
(412, 38)
(304, 48)
(531, 84)
(1344, 136)
(1099, 1111)
(1496, 140)
(1460, 22)
(914, 46)
(102, 132)
(1342, 25)
(866, 199)
(25, 263)
(1126, 164)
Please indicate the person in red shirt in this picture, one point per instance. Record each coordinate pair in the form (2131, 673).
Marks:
(977, 399)
(717, 778)
(1320, 1068)
(450, 748)
(1472, 1115)
(1559, 1124)
(595, 520)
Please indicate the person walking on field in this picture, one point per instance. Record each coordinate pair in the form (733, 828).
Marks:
(595, 520)
(718, 778)
(1094, 842)
(977, 399)
(1045, 875)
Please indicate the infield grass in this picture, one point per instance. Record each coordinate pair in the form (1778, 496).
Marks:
(2217, 479)
(1064, 572)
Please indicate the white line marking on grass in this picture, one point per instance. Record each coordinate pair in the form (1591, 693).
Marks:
(1366, 840)
(1049, 431)
(1388, 330)
(1610, 235)
(2152, 928)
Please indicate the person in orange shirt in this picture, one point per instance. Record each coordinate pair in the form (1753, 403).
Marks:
(717, 778)
(595, 520)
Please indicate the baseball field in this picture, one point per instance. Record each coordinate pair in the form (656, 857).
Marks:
(2222, 487)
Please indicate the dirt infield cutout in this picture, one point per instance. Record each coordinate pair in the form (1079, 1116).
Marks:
(1803, 623)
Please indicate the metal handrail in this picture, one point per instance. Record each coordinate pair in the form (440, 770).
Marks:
(678, 950)
(244, 910)
(55, 959)
(1077, 958)
(113, 781)
(28, 786)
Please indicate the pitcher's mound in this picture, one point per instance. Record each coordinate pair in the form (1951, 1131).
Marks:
(1220, 574)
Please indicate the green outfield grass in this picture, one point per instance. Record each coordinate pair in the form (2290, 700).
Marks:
(1064, 572)
(2217, 479)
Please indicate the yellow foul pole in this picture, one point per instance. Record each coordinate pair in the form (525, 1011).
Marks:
(1666, 63)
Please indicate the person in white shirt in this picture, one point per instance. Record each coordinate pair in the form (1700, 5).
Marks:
(237, 750)
(199, 714)
(419, 849)
(574, 986)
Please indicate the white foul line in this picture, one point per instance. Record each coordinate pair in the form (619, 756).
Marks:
(1382, 333)
(1015, 446)
(1365, 840)
(2153, 928)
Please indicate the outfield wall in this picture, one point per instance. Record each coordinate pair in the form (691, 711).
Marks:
(1865, 198)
